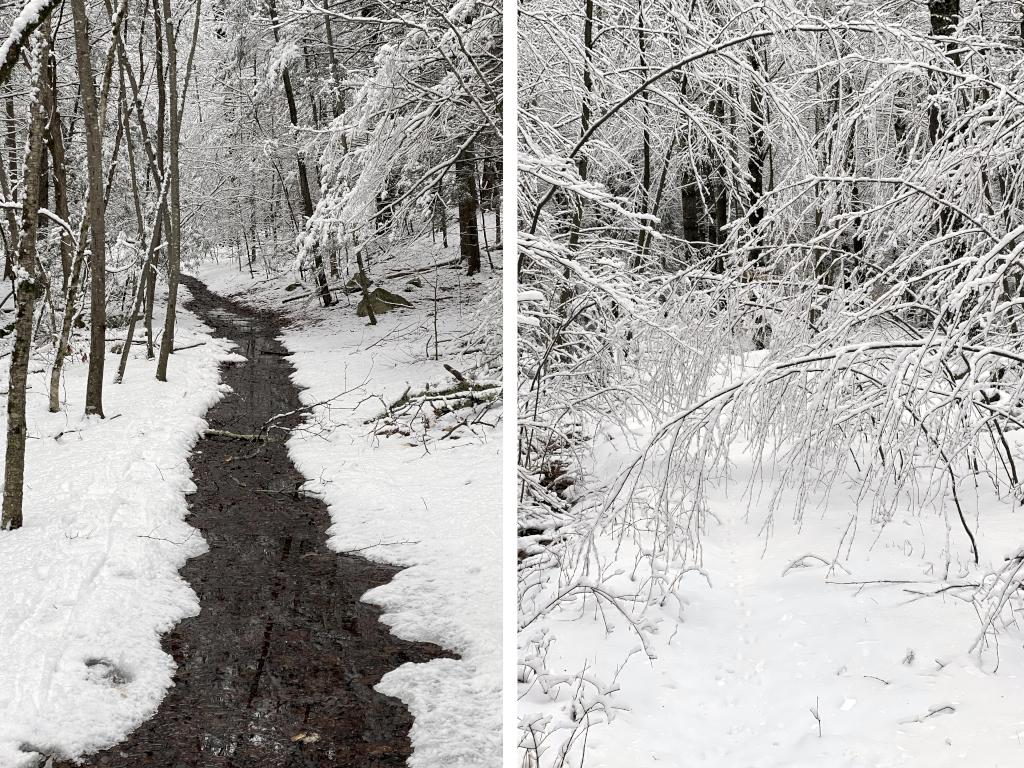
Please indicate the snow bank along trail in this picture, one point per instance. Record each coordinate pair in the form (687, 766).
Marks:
(91, 580)
(435, 509)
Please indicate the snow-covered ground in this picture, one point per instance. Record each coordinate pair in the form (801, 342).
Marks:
(762, 646)
(90, 582)
(433, 506)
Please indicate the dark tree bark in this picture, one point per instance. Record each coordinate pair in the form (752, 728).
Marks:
(691, 203)
(174, 206)
(757, 144)
(176, 96)
(944, 16)
(55, 145)
(158, 175)
(96, 213)
(492, 178)
(11, 137)
(469, 236)
(27, 289)
(583, 161)
(721, 191)
(645, 134)
(10, 175)
(364, 283)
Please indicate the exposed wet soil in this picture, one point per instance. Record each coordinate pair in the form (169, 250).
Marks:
(278, 668)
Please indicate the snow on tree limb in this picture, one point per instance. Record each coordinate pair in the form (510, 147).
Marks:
(26, 22)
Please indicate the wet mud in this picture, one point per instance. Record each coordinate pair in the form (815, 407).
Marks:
(278, 668)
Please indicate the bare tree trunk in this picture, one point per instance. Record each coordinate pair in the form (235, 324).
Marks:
(469, 239)
(822, 259)
(691, 207)
(55, 143)
(364, 283)
(497, 204)
(645, 134)
(722, 193)
(74, 284)
(323, 289)
(444, 216)
(10, 248)
(758, 143)
(27, 290)
(161, 133)
(582, 160)
(10, 175)
(91, 119)
(133, 176)
(944, 16)
(70, 297)
(140, 297)
(11, 138)
(338, 105)
(174, 209)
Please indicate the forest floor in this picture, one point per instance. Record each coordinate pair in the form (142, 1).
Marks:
(426, 498)
(878, 647)
(279, 666)
(103, 633)
(91, 580)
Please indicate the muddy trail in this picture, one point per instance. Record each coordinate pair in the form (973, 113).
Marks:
(278, 668)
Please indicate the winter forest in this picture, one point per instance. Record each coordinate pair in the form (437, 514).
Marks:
(766, 301)
(771, 331)
(251, 347)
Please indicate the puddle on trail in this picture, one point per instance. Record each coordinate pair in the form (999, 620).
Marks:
(278, 669)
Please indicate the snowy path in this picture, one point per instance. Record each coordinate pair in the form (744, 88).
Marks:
(887, 670)
(433, 509)
(279, 667)
(91, 581)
